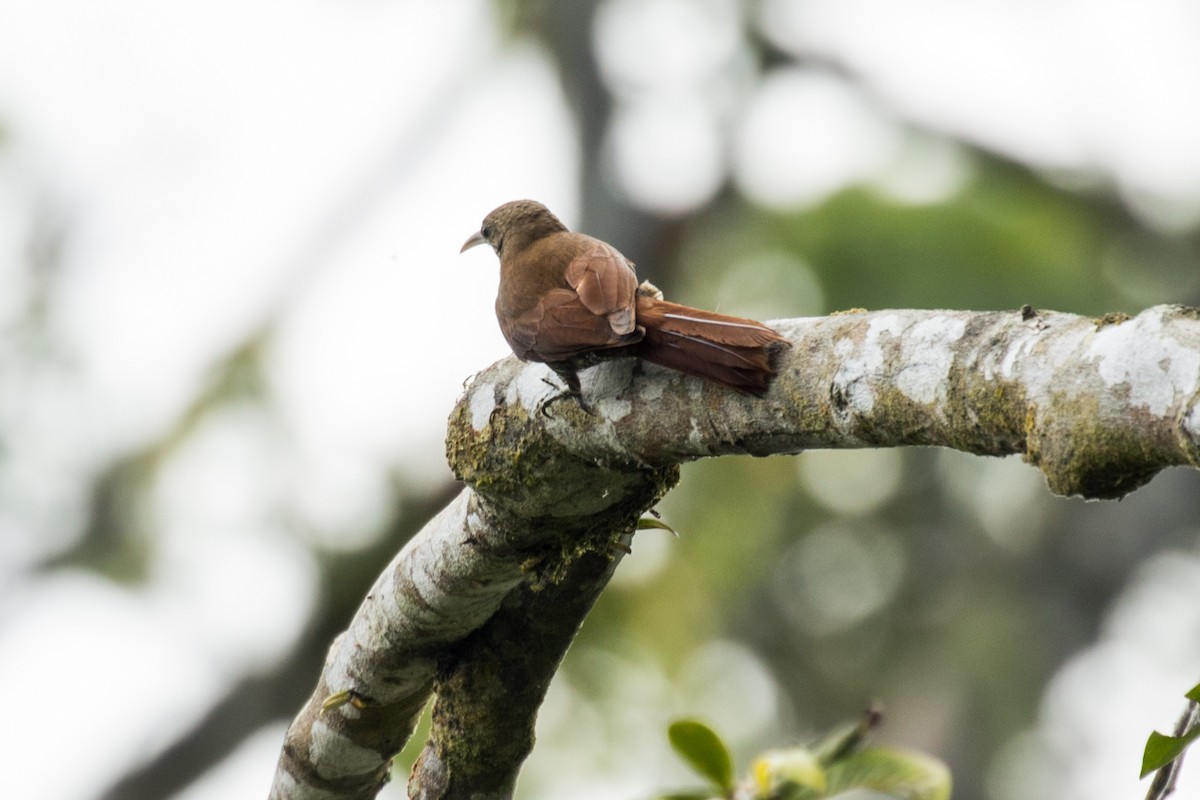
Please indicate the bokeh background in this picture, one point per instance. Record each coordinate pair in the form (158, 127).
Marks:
(234, 320)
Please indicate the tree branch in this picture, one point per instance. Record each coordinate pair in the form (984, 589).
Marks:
(491, 688)
(1100, 406)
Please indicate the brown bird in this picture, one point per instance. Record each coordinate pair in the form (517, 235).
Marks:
(570, 301)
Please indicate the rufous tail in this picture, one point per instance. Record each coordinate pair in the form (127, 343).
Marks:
(734, 352)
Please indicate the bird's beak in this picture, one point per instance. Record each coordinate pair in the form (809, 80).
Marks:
(472, 240)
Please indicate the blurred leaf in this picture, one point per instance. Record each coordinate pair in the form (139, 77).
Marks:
(848, 739)
(793, 773)
(703, 749)
(1194, 694)
(686, 796)
(902, 774)
(794, 791)
(838, 743)
(650, 522)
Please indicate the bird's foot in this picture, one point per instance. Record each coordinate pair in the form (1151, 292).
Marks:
(570, 391)
(544, 406)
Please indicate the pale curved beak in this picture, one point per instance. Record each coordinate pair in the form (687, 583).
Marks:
(472, 240)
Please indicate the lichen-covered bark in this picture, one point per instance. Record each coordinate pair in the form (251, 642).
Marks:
(485, 600)
(488, 695)
(528, 548)
(1098, 405)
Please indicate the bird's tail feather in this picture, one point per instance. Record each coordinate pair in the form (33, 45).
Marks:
(734, 352)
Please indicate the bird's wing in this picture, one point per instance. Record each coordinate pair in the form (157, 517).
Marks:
(606, 285)
(560, 327)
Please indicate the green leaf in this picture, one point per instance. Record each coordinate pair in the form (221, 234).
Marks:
(651, 522)
(900, 773)
(703, 749)
(1162, 750)
(685, 796)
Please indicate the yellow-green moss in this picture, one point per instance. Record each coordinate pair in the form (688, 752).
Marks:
(557, 504)
(991, 415)
(1112, 318)
(1081, 452)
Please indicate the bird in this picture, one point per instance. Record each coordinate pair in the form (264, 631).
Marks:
(569, 301)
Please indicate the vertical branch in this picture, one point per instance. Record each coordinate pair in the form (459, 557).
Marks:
(488, 696)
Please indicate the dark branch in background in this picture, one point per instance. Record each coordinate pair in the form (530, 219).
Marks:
(566, 30)
(273, 695)
(369, 188)
(114, 541)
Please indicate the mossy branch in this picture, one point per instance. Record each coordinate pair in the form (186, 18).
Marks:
(1098, 405)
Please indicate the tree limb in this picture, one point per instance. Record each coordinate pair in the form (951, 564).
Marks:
(488, 696)
(1100, 406)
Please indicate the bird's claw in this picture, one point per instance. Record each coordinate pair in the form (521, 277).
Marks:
(545, 404)
(563, 393)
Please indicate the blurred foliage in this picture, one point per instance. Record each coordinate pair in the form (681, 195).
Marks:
(837, 764)
(1008, 238)
(704, 751)
(999, 582)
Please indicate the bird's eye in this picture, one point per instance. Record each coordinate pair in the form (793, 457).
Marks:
(486, 231)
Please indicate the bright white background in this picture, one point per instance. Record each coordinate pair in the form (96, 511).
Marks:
(308, 170)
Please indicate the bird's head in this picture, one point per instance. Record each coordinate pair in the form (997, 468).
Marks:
(516, 225)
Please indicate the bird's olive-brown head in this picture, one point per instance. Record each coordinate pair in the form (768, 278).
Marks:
(514, 225)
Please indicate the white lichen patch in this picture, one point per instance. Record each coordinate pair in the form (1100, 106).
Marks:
(928, 354)
(1052, 355)
(1019, 346)
(614, 408)
(286, 785)
(848, 380)
(534, 384)
(860, 360)
(483, 403)
(651, 391)
(338, 756)
(883, 327)
(415, 569)
(604, 385)
(1157, 369)
(1191, 428)
(695, 436)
